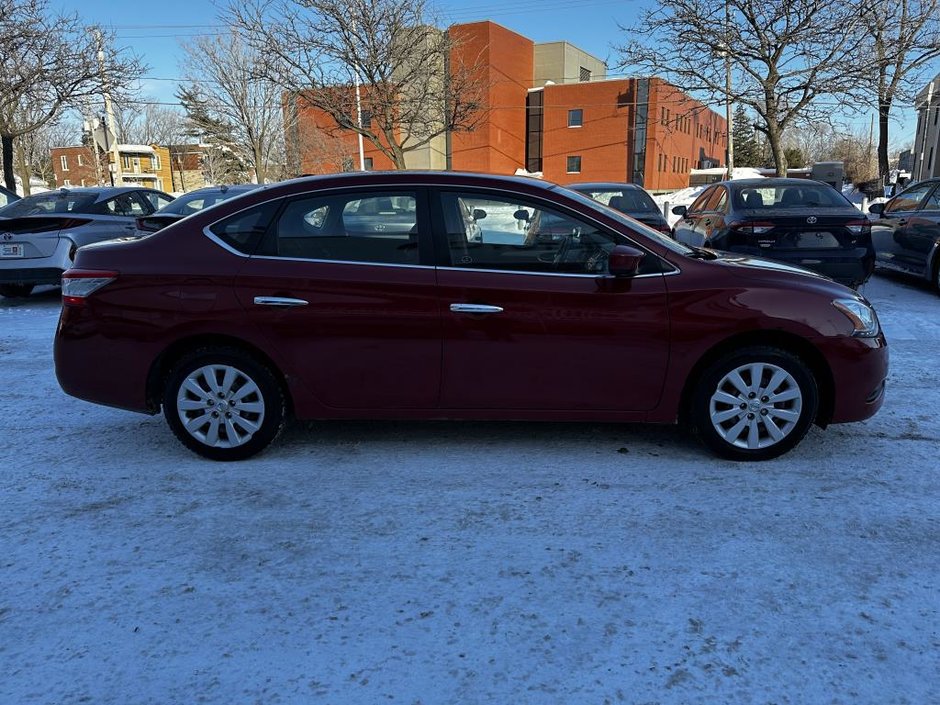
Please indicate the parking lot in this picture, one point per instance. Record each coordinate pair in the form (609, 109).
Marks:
(504, 563)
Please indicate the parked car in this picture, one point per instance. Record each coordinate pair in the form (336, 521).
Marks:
(40, 234)
(189, 203)
(289, 300)
(906, 236)
(629, 199)
(798, 221)
(7, 197)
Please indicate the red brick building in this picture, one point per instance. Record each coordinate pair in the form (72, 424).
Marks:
(548, 108)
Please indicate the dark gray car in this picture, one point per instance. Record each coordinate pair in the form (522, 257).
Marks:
(39, 234)
(907, 233)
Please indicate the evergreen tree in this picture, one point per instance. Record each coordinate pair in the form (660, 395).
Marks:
(747, 151)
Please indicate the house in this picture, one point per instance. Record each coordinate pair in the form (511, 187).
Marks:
(134, 165)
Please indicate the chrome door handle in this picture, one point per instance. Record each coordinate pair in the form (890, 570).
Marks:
(279, 301)
(475, 308)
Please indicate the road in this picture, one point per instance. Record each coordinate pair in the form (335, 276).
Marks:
(501, 563)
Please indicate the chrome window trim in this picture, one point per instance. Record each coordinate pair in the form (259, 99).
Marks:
(217, 240)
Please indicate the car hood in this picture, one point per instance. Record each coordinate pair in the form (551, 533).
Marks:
(759, 269)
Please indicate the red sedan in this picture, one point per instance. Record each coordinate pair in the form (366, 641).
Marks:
(435, 296)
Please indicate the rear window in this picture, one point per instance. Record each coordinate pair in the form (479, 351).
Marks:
(190, 203)
(789, 196)
(50, 202)
(623, 200)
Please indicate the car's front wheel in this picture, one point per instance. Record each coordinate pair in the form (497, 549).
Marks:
(15, 291)
(754, 404)
(223, 403)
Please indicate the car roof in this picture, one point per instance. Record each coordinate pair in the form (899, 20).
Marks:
(100, 192)
(606, 185)
(237, 188)
(449, 178)
(773, 181)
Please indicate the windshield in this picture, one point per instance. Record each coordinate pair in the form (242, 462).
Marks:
(655, 235)
(190, 203)
(807, 195)
(623, 200)
(50, 202)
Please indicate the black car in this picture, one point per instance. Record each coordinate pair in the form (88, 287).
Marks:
(190, 203)
(797, 221)
(629, 199)
(906, 236)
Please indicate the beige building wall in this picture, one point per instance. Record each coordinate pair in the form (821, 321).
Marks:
(561, 62)
(430, 156)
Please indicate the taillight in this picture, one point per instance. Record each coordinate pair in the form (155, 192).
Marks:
(79, 284)
(859, 227)
(751, 227)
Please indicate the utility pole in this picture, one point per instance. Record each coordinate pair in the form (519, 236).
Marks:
(728, 116)
(108, 121)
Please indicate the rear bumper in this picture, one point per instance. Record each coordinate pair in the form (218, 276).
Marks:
(846, 266)
(38, 270)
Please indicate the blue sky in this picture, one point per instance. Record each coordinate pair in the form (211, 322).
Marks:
(156, 29)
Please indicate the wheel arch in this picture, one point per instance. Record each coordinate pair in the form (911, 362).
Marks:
(789, 342)
(164, 362)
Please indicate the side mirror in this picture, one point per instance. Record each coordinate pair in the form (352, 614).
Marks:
(679, 210)
(624, 260)
(521, 214)
(478, 214)
(876, 208)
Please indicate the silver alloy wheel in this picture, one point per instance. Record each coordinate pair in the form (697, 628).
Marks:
(220, 405)
(756, 405)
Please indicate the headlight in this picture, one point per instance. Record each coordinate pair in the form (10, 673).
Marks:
(863, 317)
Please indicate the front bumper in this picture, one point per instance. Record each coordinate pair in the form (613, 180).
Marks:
(860, 370)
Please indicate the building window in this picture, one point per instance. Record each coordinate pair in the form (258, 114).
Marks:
(66, 182)
(367, 119)
(368, 163)
(574, 165)
(126, 162)
(585, 75)
(156, 162)
(64, 161)
(81, 162)
(575, 118)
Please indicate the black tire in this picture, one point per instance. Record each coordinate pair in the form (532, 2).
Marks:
(16, 291)
(268, 393)
(761, 411)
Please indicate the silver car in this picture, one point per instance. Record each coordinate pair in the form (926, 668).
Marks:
(39, 234)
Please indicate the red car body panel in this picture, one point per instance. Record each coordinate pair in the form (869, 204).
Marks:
(381, 341)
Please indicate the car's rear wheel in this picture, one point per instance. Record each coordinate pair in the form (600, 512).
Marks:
(223, 403)
(15, 291)
(754, 404)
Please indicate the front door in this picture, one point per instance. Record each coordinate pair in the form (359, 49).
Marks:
(531, 319)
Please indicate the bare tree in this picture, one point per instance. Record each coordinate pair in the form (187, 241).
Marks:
(903, 40)
(230, 100)
(411, 88)
(37, 147)
(139, 123)
(50, 63)
(784, 56)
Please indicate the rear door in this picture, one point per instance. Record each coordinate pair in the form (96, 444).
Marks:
(344, 288)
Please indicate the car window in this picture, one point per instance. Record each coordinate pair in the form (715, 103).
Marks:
(933, 201)
(717, 200)
(62, 201)
(699, 203)
(623, 200)
(155, 199)
(507, 233)
(124, 205)
(244, 230)
(908, 200)
(378, 228)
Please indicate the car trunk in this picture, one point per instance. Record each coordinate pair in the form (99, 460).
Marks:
(33, 237)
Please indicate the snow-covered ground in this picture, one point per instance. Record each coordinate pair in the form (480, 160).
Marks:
(452, 563)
